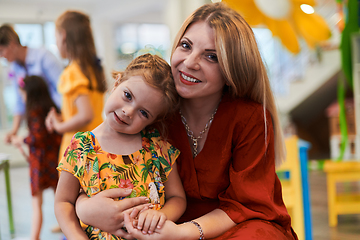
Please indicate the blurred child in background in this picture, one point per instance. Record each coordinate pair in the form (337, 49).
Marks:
(43, 146)
(82, 83)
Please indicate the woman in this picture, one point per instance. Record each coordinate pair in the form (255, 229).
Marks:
(228, 133)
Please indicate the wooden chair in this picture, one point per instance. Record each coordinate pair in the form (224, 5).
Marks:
(290, 177)
(341, 203)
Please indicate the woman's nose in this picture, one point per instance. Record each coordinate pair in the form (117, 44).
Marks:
(192, 61)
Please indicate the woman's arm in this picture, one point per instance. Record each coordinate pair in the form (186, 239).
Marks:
(66, 194)
(103, 212)
(212, 224)
(84, 116)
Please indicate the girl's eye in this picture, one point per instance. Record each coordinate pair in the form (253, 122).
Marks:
(127, 95)
(144, 113)
(212, 57)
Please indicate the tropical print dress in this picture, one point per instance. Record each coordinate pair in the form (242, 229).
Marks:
(144, 171)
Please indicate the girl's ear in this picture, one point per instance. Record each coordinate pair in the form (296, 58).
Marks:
(117, 77)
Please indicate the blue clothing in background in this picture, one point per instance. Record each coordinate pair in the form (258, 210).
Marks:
(39, 62)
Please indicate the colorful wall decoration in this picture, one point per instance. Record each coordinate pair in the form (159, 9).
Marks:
(288, 20)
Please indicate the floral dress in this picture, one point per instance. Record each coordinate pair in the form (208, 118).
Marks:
(43, 152)
(144, 171)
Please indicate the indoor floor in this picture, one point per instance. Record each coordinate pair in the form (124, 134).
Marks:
(347, 229)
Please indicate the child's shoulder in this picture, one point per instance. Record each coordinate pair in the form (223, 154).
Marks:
(84, 136)
(153, 136)
(151, 133)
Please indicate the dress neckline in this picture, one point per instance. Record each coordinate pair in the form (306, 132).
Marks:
(137, 152)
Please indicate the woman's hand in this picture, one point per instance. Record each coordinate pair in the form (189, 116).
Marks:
(103, 212)
(168, 231)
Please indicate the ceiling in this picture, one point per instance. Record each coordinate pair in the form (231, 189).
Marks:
(106, 10)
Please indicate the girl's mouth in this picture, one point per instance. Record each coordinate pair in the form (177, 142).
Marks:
(188, 80)
(119, 120)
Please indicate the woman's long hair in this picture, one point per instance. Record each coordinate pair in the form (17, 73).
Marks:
(240, 61)
(80, 47)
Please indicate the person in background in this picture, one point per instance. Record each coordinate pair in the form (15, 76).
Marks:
(25, 61)
(43, 146)
(82, 83)
(229, 135)
(126, 151)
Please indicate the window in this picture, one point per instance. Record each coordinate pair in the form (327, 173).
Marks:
(131, 38)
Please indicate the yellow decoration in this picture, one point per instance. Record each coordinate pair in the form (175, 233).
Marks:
(287, 26)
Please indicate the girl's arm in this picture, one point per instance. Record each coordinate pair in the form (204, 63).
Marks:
(84, 116)
(66, 194)
(175, 203)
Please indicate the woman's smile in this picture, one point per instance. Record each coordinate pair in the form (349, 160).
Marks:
(186, 79)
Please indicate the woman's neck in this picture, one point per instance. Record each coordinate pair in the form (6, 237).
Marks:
(199, 108)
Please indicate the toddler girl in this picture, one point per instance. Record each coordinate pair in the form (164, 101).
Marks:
(125, 151)
(43, 146)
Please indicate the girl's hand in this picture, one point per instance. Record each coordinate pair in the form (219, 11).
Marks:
(169, 231)
(150, 220)
(52, 119)
(103, 212)
(49, 120)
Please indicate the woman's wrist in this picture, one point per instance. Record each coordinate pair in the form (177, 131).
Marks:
(189, 231)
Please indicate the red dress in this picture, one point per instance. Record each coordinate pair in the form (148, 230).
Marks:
(44, 151)
(234, 172)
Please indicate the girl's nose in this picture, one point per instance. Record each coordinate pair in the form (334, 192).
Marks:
(192, 61)
(128, 111)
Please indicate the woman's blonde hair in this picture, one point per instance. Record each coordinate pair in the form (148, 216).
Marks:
(80, 47)
(240, 61)
(157, 73)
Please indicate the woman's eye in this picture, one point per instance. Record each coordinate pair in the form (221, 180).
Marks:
(184, 44)
(212, 57)
(127, 95)
(144, 113)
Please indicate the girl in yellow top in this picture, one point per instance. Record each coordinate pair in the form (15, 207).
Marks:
(125, 151)
(82, 83)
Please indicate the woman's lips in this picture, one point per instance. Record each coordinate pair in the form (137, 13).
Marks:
(185, 79)
(119, 120)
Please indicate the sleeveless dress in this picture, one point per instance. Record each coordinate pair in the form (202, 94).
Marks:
(43, 152)
(145, 171)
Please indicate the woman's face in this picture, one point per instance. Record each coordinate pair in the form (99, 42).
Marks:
(195, 66)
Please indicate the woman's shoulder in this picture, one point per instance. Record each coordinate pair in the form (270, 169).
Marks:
(241, 108)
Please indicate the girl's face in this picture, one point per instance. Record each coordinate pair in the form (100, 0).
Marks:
(132, 106)
(60, 42)
(195, 65)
